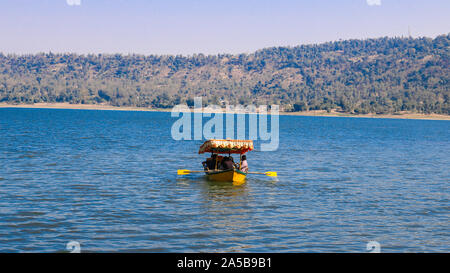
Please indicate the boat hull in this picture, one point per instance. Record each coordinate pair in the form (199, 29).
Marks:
(235, 176)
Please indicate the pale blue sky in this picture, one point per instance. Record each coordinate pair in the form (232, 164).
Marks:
(207, 26)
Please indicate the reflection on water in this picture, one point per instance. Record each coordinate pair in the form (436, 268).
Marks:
(227, 212)
(108, 181)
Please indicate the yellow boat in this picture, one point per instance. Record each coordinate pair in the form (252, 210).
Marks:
(235, 176)
(222, 146)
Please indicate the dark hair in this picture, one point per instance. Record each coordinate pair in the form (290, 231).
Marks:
(244, 157)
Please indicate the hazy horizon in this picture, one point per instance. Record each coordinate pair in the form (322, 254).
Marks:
(190, 27)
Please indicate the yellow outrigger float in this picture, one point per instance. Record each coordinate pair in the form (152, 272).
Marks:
(222, 146)
(226, 146)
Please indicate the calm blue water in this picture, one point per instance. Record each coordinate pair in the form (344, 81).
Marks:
(107, 179)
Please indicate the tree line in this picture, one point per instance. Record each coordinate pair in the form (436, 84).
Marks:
(383, 75)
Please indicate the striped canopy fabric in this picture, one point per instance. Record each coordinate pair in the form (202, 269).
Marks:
(226, 146)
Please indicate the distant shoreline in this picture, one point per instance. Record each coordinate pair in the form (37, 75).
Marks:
(317, 113)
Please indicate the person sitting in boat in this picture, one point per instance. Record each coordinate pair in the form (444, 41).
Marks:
(236, 165)
(220, 164)
(227, 164)
(244, 164)
(210, 163)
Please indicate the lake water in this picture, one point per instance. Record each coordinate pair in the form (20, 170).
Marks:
(107, 179)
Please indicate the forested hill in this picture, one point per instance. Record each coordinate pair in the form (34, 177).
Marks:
(382, 75)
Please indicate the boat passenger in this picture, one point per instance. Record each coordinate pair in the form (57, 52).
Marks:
(210, 163)
(206, 163)
(235, 165)
(220, 164)
(227, 163)
(244, 164)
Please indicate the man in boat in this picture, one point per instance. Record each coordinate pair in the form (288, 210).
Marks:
(227, 163)
(236, 165)
(210, 163)
(244, 164)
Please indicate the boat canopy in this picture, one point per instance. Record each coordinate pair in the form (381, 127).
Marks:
(226, 146)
